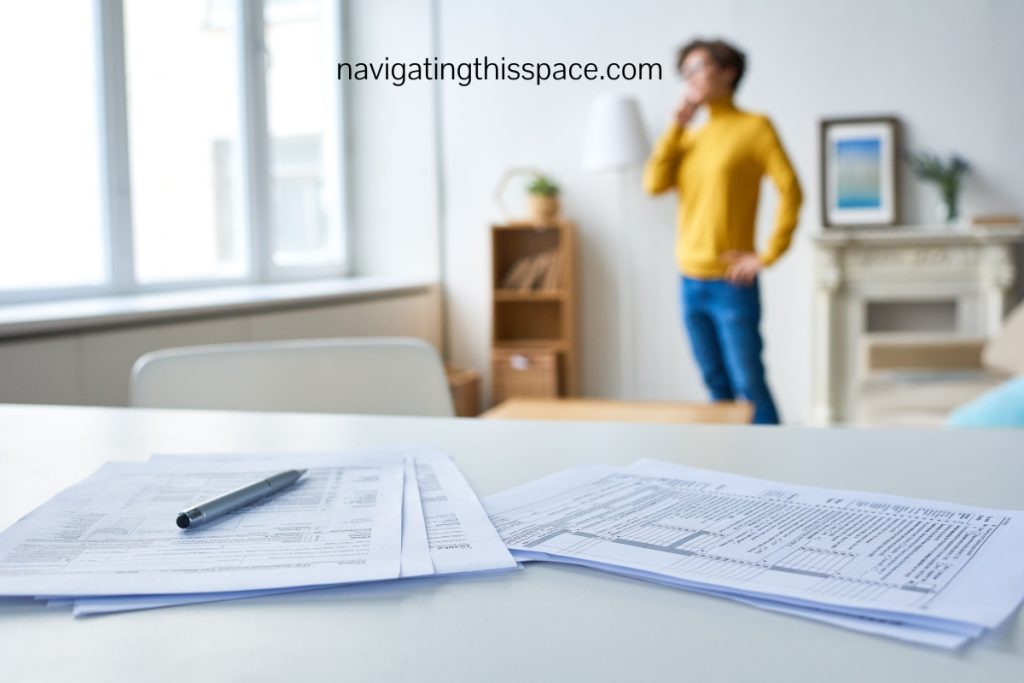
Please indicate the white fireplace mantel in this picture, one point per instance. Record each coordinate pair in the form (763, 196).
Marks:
(973, 269)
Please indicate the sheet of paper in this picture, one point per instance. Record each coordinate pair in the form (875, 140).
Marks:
(415, 545)
(879, 627)
(82, 607)
(463, 537)
(113, 534)
(872, 625)
(85, 607)
(460, 535)
(878, 555)
(415, 549)
(857, 500)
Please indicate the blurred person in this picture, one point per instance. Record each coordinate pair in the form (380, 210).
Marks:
(716, 170)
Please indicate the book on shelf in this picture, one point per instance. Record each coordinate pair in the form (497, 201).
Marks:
(514, 275)
(540, 265)
(536, 272)
(556, 273)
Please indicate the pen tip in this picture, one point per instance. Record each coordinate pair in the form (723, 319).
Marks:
(301, 472)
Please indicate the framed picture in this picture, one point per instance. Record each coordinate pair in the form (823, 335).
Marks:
(859, 179)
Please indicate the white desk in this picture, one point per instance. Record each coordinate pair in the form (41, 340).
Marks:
(543, 623)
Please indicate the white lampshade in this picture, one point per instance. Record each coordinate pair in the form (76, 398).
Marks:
(615, 136)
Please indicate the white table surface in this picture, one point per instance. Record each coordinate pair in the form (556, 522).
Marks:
(542, 623)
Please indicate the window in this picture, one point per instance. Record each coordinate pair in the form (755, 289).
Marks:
(203, 148)
(51, 216)
(304, 190)
(183, 113)
(297, 187)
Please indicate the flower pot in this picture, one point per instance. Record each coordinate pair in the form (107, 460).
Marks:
(543, 208)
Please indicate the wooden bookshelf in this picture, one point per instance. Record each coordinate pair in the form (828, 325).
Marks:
(533, 310)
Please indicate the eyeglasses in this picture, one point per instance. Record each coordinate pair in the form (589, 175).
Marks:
(699, 66)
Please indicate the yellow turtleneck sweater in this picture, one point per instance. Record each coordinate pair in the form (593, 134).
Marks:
(717, 171)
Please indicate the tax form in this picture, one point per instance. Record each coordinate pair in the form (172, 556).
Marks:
(415, 559)
(112, 533)
(440, 503)
(939, 566)
(444, 524)
(461, 536)
(892, 628)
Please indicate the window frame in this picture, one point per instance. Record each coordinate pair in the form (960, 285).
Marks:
(252, 165)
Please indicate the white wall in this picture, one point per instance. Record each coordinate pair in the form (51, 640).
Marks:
(949, 69)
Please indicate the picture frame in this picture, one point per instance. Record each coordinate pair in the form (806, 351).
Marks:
(859, 171)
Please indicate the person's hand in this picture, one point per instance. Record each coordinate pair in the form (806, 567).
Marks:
(741, 267)
(687, 108)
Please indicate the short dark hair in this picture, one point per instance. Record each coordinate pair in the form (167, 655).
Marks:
(726, 56)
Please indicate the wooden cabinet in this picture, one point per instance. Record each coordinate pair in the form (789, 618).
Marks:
(533, 304)
(465, 387)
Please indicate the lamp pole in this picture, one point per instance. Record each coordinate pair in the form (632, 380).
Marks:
(627, 323)
(616, 142)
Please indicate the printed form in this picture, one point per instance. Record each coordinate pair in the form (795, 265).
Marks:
(940, 565)
(444, 526)
(444, 519)
(113, 534)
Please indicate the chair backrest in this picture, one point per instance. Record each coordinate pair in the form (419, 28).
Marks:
(1004, 353)
(370, 375)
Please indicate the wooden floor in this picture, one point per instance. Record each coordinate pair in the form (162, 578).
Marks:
(604, 410)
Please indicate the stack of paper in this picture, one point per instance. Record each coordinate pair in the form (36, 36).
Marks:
(110, 543)
(932, 573)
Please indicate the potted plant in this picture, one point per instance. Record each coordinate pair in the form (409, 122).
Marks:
(543, 197)
(947, 175)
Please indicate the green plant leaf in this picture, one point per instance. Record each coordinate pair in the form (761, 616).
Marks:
(544, 186)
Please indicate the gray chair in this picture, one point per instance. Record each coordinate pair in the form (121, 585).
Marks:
(370, 375)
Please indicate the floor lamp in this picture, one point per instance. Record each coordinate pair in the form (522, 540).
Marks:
(616, 142)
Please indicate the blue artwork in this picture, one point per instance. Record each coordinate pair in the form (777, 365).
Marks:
(858, 173)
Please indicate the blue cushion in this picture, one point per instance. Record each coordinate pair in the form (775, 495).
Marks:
(999, 407)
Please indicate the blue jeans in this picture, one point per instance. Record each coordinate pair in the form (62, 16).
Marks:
(722, 321)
